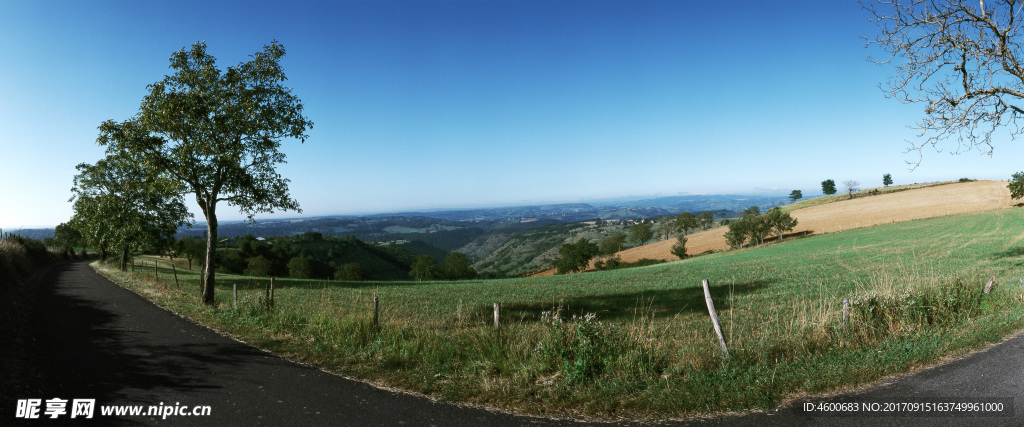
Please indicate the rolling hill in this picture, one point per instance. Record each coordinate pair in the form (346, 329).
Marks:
(907, 203)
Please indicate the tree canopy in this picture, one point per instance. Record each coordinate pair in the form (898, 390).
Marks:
(119, 206)
(1016, 185)
(641, 233)
(575, 257)
(828, 187)
(218, 133)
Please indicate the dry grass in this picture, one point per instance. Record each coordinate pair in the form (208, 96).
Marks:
(866, 211)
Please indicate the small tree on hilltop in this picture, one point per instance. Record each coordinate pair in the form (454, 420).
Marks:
(851, 186)
(1016, 185)
(886, 180)
(828, 187)
(796, 195)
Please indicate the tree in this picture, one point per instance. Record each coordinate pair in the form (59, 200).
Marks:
(66, 236)
(425, 268)
(575, 257)
(192, 248)
(458, 267)
(641, 233)
(299, 268)
(685, 222)
(679, 248)
(1016, 185)
(758, 227)
(886, 180)
(736, 236)
(258, 266)
(828, 187)
(780, 221)
(218, 133)
(851, 186)
(350, 272)
(706, 219)
(796, 195)
(961, 59)
(117, 205)
(612, 244)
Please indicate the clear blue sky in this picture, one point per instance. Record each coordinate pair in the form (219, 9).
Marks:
(438, 104)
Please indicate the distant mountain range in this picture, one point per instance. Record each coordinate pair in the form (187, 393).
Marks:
(451, 229)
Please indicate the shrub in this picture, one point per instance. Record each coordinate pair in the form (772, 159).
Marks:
(582, 347)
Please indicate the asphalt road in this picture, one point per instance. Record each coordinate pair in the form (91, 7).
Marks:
(96, 340)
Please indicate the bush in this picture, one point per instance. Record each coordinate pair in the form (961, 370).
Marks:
(679, 249)
(581, 347)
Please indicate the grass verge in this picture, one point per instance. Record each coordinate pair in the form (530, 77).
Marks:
(638, 343)
(22, 264)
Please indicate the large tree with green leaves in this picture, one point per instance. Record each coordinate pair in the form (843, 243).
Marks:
(779, 221)
(66, 237)
(458, 267)
(217, 132)
(575, 257)
(121, 206)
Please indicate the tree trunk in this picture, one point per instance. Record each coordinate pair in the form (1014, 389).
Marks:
(209, 265)
(124, 258)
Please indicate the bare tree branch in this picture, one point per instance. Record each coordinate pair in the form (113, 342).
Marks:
(960, 60)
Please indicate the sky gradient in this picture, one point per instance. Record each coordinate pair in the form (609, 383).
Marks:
(449, 104)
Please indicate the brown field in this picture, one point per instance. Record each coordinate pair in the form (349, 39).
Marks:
(865, 211)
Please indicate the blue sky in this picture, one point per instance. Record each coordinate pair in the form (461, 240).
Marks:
(448, 104)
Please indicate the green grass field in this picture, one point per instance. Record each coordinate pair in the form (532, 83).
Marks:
(651, 351)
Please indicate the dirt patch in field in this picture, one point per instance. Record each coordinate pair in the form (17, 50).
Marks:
(866, 211)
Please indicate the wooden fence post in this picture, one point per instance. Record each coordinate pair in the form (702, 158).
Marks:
(133, 264)
(846, 312)
(266, 288)
(497, 316)
(156, 269)
(376, 312)
(714, 318)
(234, 296)
(175, 271)
(271, 292)
(990, 284)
